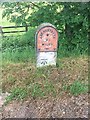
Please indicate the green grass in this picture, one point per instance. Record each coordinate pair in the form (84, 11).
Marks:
(19, 48)
(16, 94)
(45, 89)
(23, 80)
(34, 90)
(19, 56)
(76, 88)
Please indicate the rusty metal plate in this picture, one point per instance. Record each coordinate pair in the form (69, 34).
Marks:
(47, 39)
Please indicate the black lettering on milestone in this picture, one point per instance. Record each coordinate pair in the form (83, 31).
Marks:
(47, 30)
(41, 34)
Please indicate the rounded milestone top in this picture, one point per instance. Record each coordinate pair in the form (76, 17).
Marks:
(45, 25)
(46, 38)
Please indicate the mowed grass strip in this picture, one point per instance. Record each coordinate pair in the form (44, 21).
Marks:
(24, 80)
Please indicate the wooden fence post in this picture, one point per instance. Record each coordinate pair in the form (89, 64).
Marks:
(26, 28)
(1, 32)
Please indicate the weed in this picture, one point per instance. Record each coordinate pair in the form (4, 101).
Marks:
(49, 88)
(77, 88)
(16, 93)
(36, 90)
(11, 79)
(42, 90)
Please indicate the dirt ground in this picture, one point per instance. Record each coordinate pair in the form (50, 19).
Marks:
(66, 107)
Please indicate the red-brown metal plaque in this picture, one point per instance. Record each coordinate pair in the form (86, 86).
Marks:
(47, 39)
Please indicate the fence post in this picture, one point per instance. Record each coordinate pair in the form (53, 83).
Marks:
(26, 28)
(1, 32)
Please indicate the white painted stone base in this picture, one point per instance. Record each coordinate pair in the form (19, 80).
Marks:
(46, 58)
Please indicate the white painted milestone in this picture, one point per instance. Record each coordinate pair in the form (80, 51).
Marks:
(46, 58)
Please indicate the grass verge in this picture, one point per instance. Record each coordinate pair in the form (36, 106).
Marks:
(23, 80)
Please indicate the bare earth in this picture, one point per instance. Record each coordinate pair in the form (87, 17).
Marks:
(66, 107)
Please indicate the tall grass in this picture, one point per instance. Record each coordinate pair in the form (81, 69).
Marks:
(22, 48)
(16, 55)
(19, 48)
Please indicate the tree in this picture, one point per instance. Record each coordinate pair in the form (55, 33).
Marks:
(71, 20)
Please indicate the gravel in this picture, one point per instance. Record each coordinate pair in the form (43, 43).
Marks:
(66, 107)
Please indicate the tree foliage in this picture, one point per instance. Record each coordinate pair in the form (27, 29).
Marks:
(71, 20)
